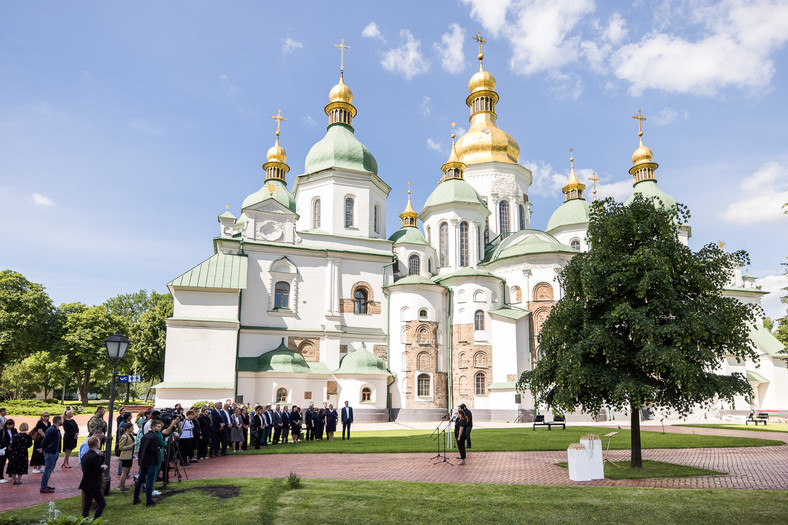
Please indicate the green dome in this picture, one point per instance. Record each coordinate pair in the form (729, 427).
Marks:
(528, 242)
(575, 211)
(452, 191)
(408, 234)
(362, 362)
(340, 149)
(280, 194)
(649, 188)
(282, 359)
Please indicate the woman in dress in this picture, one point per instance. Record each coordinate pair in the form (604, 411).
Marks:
(17, 459)
(70, 433)
(319, 422)
(7, 433)
(126, 447)
(205, 433)
(295, 423)
(236, 430)
(331, 422)
(37, 458)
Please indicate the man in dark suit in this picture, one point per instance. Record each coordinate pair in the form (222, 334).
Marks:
(217, 429)
(227, 419)
(92, 479)
(347, 419)
(149, 463)
(308, 422)
(469, 425)
(285, 424)
(269, 414)
(255, 428)
(50, 447)
(277, 417)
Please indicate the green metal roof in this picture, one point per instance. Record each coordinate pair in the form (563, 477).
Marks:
(755, 377)
(528, 242)
(408, 234)
(362, 362)
(453, 191)
(512, 312)
(575, 211)
(281, 360)
(227, 215)
(503, 385)
(743, 289)
(340, 148)
(766, 341)
(220, 271)
(280, 194)
(413, 280)
(465, 271)
(649, 188)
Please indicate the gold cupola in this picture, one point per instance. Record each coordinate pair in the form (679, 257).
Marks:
(484, 141)
(409, 216)
(574, 188)
(454, 167)
(643, 165)
(275, 167)
(340, 109)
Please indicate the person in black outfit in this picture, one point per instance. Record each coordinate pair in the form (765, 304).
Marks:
(7, 433)
(469, 424)
(460, 433)
(92, 477)
(205, 433)
(308, 422)
(295, 423)
(149, 463)
(319, 422)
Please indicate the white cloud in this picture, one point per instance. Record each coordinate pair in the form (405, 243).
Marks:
(491, 13)
(41, 200)
(774, 284)
(309, 121)
(291, 45)
(565, 85)
(372, 31)
(225, 81)
(426, 106)
(664, 117)
(616, 29)
(407, 58)
(619, 190)
(450, 49)
(143, 126)
(546, 181)
(435, 146)
(762, 197)
(740, 36)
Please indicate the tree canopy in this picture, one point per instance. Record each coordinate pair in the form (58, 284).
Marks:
(642, 322)
(148, 338)
(26, 315)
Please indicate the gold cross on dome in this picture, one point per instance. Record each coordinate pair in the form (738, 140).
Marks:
(594, 178)
(278, 118)
(640, 118)
(409, 189)
(342, 48)
(480, 40)
(452, 129)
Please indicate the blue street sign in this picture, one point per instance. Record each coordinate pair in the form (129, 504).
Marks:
(126, 378)
(123, 379)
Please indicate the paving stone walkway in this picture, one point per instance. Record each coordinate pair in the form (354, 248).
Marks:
(747, 468)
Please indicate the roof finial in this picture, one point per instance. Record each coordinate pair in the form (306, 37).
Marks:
(594, 179)
(452, 132)
(227, 207)
(571, 159)
(342, 48)
(278, 118)
(480, 40)
(640, 118)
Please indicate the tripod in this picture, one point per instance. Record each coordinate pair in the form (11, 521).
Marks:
(519, 418)
(172, 445)
(440, 434)
(607, 452)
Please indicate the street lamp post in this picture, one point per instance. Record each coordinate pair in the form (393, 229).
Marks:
(116, 350)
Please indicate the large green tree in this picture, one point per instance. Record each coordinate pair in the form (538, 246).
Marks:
(642, 322)
(26, 316)
(47, 370)
(148, 339)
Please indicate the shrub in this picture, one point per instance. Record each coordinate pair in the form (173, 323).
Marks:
(293, 481)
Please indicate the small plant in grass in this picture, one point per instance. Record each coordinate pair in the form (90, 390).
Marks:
(293, 481)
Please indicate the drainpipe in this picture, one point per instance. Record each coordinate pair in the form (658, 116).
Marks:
(238, 343)
(389, 381)
(448, 357)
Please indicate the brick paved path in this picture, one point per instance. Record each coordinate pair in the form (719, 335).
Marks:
(747, 468)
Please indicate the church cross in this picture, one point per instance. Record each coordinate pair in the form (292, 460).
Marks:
(594, 178)
(480, 40)
(342, 48)
(452, 131)
(278, 118)
(640, 118)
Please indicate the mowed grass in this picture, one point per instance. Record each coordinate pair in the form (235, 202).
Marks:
(269, 501)
(651, 469)
(505, 439)
(771, 427)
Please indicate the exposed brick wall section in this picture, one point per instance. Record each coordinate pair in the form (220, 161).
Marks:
(463, 370)
(380, 351)
(540, 310)
(309, 347)
(426, 332)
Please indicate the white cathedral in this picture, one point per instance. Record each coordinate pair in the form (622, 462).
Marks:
(307, 299)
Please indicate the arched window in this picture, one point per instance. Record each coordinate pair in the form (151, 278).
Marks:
(543, 292)
(463, 386)
(486, 231)
(316, 214)
(575, 244)
(366, 394)
(515, 294)
(429, 235)
(414, 264)
(423, 385)
(403, 335)
(423, 361)
(360, 301)
(464, 244)
(423, 335)
(479, 296)
(404, 314)
(521, 210)
(349, 212)
(308, 350)
(503, 218)
(479, 359)
(281, 395)
(478, 320)
(375, 219)
(461, 360)
(444, 245)
(281, 295)
(481, 387)
(423, 314)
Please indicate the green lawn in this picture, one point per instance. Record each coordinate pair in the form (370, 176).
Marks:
(651, 469)
(771, 427)
(506, 439)
(262, 500)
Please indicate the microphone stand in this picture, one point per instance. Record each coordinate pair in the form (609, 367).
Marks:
(440, 434)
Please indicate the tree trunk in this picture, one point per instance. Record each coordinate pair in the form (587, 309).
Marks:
(84, 383)
(128, 390)
(636, 459)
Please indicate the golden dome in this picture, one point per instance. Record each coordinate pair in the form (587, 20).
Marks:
(642, 154)
(486, 142)
(454, 167)
(481, 81)
(276, 153)
(341, 93)
(574, 188)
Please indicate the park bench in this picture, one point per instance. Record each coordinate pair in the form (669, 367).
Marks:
(762, 417)
(557, 421)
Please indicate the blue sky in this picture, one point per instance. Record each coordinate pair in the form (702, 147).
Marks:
(125, 129)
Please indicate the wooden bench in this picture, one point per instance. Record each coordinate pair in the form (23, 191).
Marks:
(557, 421)
(762, 417)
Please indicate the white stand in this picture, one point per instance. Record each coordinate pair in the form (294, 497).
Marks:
(579, 466)
(595, 460)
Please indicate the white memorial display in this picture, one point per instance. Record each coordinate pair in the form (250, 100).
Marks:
(593, 446)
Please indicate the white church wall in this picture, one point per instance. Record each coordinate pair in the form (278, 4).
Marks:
(168, 397)
(205, 304)
(504, 353)
(184, 362)
(567, 234)
(494, 182)
(350, 390)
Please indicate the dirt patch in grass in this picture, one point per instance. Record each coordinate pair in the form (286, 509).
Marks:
(219, 491)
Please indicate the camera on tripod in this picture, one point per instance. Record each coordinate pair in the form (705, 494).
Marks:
(168, 414)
